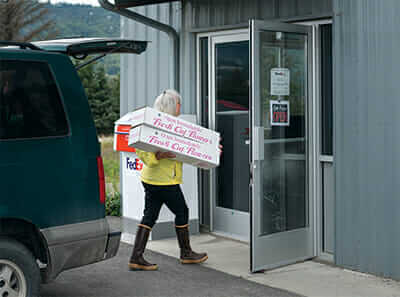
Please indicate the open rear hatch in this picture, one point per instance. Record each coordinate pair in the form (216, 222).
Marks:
(80, 47)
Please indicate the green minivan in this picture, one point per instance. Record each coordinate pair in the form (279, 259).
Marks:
(52, 189)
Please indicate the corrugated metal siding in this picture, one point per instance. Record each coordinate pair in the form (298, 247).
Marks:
(367, 142)
(145, 76)
(211, 13)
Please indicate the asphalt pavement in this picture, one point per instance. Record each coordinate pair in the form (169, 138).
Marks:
(112, 278)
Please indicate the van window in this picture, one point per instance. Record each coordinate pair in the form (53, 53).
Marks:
(30, 104)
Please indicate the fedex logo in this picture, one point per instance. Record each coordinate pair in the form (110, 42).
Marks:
(134, 164)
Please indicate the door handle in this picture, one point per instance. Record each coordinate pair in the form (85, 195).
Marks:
(258, 146)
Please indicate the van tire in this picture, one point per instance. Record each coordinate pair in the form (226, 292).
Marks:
(26, 273)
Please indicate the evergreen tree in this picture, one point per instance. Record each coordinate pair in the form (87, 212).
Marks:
(103, 97)
(115, 93)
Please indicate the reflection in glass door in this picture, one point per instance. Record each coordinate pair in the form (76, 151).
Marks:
(283, 205)
(281, 232)
(230, 97)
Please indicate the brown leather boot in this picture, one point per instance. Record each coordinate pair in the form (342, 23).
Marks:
(187, 255)
(137, 262)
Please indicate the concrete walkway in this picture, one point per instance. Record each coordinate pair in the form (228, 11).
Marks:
(308, 278)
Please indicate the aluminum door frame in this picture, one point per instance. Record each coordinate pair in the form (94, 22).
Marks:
(211, 115)
(264, 249)
(320, 159)
(227, 222)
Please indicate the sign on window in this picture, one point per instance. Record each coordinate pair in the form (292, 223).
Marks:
(280, 113)
(280, 82)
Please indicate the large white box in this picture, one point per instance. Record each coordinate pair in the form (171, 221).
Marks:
(175, 125)
(187, 151)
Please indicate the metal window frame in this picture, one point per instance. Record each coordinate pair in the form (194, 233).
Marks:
(318, 158)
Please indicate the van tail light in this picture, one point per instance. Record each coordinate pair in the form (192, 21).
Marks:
(102, 182)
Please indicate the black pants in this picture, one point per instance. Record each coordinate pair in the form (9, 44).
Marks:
(156, 196)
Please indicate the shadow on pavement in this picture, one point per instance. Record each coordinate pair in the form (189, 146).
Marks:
(112, 278)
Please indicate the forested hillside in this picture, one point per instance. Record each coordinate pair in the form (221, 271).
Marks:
(73, 20)
(84, 20)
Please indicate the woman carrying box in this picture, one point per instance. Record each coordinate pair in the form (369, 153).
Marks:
(161, 178)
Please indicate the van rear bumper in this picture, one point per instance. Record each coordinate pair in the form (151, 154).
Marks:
(76, 245)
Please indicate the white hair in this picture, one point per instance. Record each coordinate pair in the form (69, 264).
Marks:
(167, 101)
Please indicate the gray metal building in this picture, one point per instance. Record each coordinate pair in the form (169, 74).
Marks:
(323, 184)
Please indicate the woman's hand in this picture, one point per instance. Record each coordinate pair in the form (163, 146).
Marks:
(220, 149)
(165, 155)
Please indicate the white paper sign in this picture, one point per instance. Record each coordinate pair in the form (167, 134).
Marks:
(280, 81)
(280, 113)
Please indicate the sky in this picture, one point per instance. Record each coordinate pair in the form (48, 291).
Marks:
(92, 2)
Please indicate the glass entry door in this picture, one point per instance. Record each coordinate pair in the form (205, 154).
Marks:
(281, 225)
(230, 101)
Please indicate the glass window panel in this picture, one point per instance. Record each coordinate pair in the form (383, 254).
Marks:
(30, 105)
(232, 121)
(284, 201)
(326, 91)
(204, 174)
(204, 81)
(232, 76)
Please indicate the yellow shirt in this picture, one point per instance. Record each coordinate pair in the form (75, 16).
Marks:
(159, 172)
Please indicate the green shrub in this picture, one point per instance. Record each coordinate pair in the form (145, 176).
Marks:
(113, 204)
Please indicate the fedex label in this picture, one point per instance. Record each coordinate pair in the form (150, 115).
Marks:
(134, 164)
